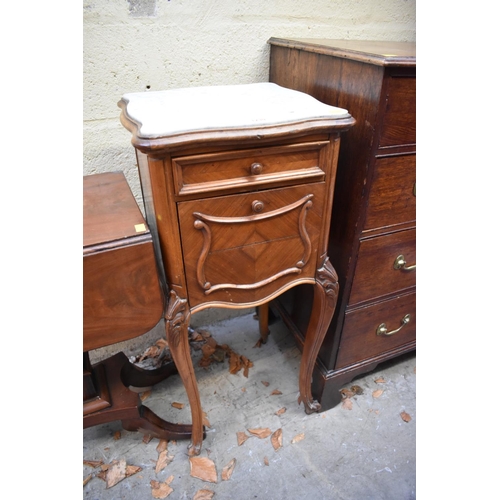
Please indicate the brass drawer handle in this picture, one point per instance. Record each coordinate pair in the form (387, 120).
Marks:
(256, 168)
(400, 263)
(257, 206)
(382, 328)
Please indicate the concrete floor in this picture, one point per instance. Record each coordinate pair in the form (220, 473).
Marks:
(367, 452)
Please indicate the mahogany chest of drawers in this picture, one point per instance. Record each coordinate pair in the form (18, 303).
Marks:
(373, 226)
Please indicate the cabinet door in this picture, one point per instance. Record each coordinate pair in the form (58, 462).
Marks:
(242, 248)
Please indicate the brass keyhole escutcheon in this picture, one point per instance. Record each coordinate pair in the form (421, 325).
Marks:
(257, 206)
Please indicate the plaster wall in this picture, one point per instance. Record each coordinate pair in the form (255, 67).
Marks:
(140, 45)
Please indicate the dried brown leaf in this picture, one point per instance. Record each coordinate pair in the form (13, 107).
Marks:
(346, 393)
(243, 389)
(281, 411)
(277, 439)
(219, 354)
(179, 406)
(163, 460)
(161, 490)
(265, 383)
(207, 350)
(357, 389)
(132, 469)
(144, 395)
(347, 404)
(116, 472)
(204, 495)
(93, 463)
(405, 416)
(247, 364)
(261, 433)
(203, 468)
(242, 437)
(276, 392)
(298, 437)
(227, 471)
(266, 461)
(87, 479)
(204, 333)
(117, 435)
(162, 445)
(380, 380)
(234, 363)
(377, 393)
(150, 352)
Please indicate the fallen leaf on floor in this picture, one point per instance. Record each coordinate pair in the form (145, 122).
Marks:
(116, 472)
(298, 437)
(207, 350)
(147, 438)
(281, 411)
(247, 364)
(276, 392)
(243, 389)
(380, 380)
(377, 393)
(203, 468)
(234, 363)
(242, 437)
(357, 389)
(228, 470)
(277, 439)
(87, 479)
(144, 395)
(346, 393)
(266, 461)
(347, 404)
(261, 433)
(93, 463)
(179, 406)
(206, 423)
(265, 383)
(162, 445)
(117, 435)
(204, 495)
(405, 416)
(161, 490)
(163, 460)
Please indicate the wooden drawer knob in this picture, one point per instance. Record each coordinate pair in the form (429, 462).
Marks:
(257, 206)
(256, 168)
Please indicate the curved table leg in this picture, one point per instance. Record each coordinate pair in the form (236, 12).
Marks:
(326, 292)
(176, 326)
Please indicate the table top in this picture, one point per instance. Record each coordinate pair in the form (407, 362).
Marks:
(110, 212)
(229, 110)
(378, 52)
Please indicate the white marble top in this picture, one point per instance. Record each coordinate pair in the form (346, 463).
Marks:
(176, 111)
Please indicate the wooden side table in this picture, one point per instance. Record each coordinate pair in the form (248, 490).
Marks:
(238, 187)
(122, 299)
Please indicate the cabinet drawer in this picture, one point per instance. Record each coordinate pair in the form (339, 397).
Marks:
(249, 168)
(242, 248)
(392, 196)
(359, 336)
(375, 274)
(399, 123)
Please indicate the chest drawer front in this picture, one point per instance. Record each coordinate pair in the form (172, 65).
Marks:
(399, 123)
(235, 254)
(248, 168)
(375, 273)
(376, 329)
(392, 196)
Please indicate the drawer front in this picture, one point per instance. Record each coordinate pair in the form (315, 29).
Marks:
(393, 193)
(249, 168)
(242, 248)
(376, 329)
(375, 273)
(399, 123)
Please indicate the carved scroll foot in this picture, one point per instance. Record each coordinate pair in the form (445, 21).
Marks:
(176, 326)
(326, 292)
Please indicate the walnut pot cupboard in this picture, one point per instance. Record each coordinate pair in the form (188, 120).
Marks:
(373, 223)
(238, 185)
